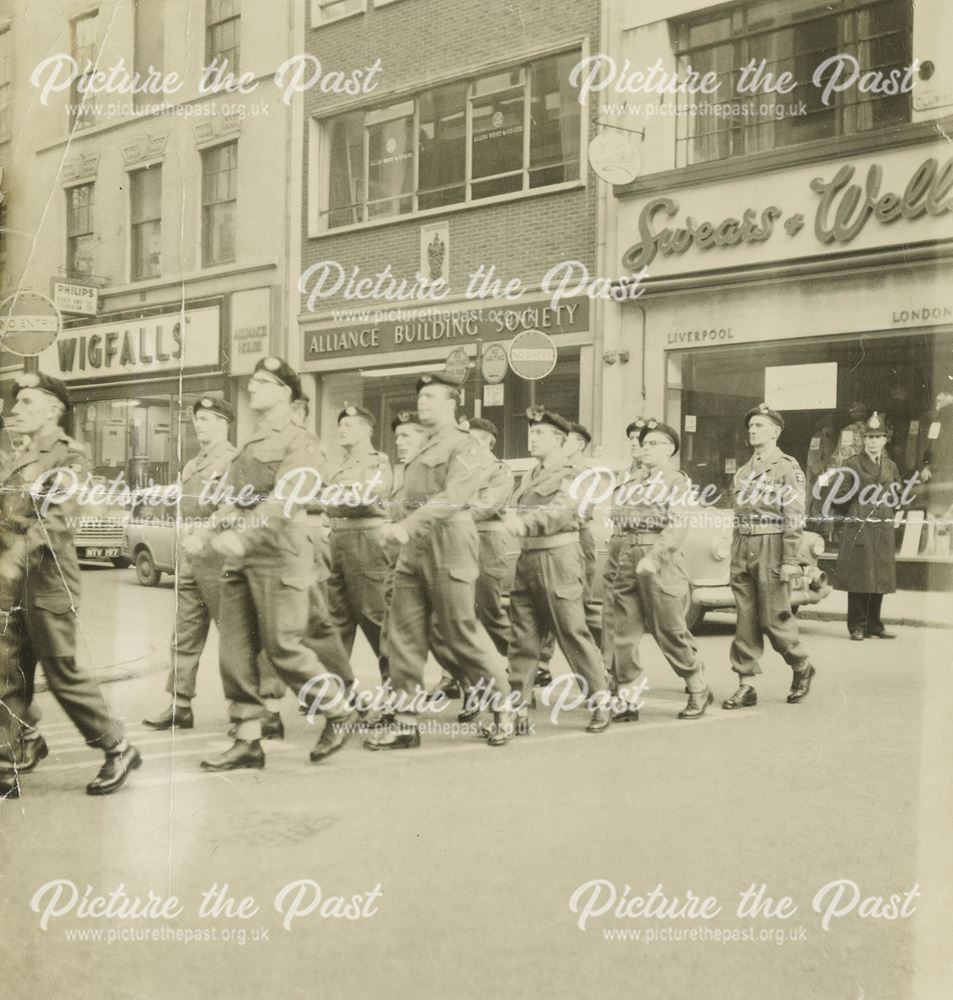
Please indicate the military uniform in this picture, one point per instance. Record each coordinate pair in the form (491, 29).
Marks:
(265, 601)
(358, 565)
(767, 534)
(199, 576)
(436, 571)
(646, 527)
(486, 509)
(40, 554)
(550, 581)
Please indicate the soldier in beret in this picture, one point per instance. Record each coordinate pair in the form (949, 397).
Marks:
(769, 522)
(866, 556)
(437, 568)
(358, 564)
(647, 583)
(269, 572)
(40, 565)
(550, 574)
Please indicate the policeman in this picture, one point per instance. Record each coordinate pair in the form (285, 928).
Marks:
(866, 557)
(649, 582)
(435, 576)
(197, 580)
(769, 516)
(487, 512)
(550, 573)
(850, 442)
(269, 571)
(38, 508)
(358, 566)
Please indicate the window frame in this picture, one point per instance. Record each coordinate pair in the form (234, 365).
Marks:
(207, 206)
(739, 39)
(73, 235)
(212, 51)
(318, 20)
(138, 6)
(136, 225)
(83, 108)
(321, 128)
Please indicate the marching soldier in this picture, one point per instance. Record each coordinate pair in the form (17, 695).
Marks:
(487, 511)
(269, 571)
(435, 576)
(199, 577)
(769, 514)
(866, 557)
(648, 584)
(550, 574)
(358, 566)
(39, 564)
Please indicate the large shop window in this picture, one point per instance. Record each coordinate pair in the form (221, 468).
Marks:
(814, 382)
(386, 392)
(512, 131)
(793, 36)
(139, 437)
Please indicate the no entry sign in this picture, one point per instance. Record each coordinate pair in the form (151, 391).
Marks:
(29, 324)
(532, 355)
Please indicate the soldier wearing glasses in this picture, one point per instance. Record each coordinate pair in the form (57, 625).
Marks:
(648, 584)
(769, 522)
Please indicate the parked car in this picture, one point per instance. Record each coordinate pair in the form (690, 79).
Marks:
(99, 534)
(149, 543)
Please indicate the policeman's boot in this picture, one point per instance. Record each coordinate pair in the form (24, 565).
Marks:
(801, 683)
(112, 775)
(744, 697)
(242, 753)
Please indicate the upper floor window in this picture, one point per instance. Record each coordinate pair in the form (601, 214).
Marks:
(145, 195)
(5, 80)
(149, 51)
(223, 26)
(793, 36)
(219, 200)
(79, 231)
(511, 131)
(85, 38)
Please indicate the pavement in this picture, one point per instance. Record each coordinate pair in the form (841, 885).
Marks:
(462, 871)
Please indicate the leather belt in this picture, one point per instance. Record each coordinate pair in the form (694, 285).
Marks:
(485, 527)
(356, 523)
(759, 529)
(549, 541)
(642, 537)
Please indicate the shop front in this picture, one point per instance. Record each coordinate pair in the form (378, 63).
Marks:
(133, 379)
(836, 300)
(376, 364)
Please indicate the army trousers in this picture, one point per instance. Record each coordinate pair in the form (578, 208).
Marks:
(594, 620)
(489, 586)
(41, 628)
(264, 607)
(547, 597)
(434, 602)
(763, 605)
(356, 583)
(636, 603)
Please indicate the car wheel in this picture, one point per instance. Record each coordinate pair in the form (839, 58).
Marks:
(146, 572)
(694, 613)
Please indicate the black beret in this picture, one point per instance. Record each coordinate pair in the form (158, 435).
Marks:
(763, 410)
(405, 417)
(45, 383)
(635, 427)
(353, 410)
(656, 425)
(281, 371)
(439, 378)
(479, 424)
(582, 431)
(540, 415)
(213, 404)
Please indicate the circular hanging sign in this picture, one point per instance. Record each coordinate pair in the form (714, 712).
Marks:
(494, 364)
(29, 324)
(532, 355)
(615, 157)
(457, 363)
